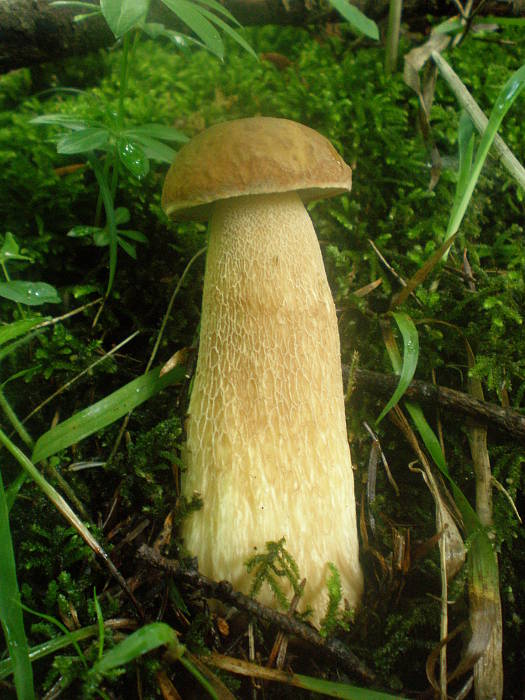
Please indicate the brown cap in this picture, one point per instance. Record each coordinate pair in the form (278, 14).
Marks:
(260, 155)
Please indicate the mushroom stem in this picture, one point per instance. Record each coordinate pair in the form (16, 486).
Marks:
(267, 445)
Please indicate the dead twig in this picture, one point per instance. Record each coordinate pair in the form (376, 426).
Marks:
(224, 591)
(503, 419)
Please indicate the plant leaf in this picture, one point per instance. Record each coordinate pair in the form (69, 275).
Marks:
(132, 157)
(30, 293)
(466, 135)
(82, 141)
(10, 249)
(356, 18)
(134, 235)
(506, 98)
(157, 131)
(138, 643)
(65, 120)
(18, 328)
(192, 17)
(217, 7)
(74, 3)
(230, 31)
(83, 231)
(156, 150)
(123, 15)
(410, 359)
(104, 412)
(128, 248)
(10, 609)
(122, 215)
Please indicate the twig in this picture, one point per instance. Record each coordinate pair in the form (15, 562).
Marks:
(88, 369)
(74, 312)
(280, 646)
(224, 591)
(480, 121)
(504, 419)
(504, 491)
(157, 345)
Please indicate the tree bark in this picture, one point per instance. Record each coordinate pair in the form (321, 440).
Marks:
(34, 31)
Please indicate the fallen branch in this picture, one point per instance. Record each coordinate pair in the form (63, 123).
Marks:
(224, 591)
(34, 31)
(503, 419)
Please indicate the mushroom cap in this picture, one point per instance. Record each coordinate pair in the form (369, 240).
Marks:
(258, 155)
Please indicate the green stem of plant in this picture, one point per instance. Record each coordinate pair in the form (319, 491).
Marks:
(15, 421)
(123, 89)
(392, 37)
(112, 161)
(100, 200)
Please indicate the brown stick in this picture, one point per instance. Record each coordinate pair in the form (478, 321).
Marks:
(34, 31)
(223, 590)
(503, 419)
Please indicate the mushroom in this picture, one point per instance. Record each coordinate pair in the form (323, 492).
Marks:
(267, 445)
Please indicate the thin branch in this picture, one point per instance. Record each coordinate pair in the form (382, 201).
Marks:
(224, 591)
(88, 369)
(503, 419)
(156, 346)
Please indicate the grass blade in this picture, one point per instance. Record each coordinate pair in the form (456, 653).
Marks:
(11, 611)
(18, 328)
(217, 7)
(356, 19)
(410, 359)
(466, 184)
(504, 102)
(332, 689)
(466, 139)
(104, 412)
(141, 642)
(52, 646)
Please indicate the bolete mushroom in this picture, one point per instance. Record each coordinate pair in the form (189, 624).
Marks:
(267, 444)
